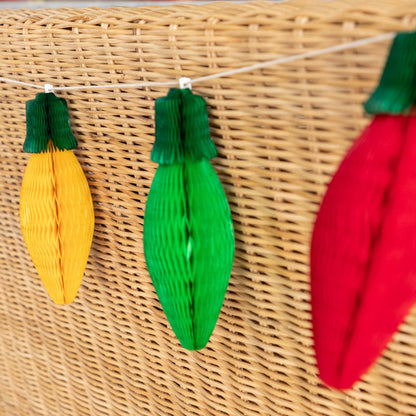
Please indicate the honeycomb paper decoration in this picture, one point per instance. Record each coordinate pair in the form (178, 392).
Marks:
(363, 272)
(56, 210)
(188, 232)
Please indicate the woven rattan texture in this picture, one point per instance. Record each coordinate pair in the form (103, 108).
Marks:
(280, 133)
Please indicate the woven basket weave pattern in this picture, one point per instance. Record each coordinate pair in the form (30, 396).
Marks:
(280, 134)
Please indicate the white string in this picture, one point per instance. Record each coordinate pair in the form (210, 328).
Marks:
(26, 84)
(108, 86)
(278, 61)
(305, 55)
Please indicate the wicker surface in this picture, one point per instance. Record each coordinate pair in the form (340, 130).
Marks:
(280, 133)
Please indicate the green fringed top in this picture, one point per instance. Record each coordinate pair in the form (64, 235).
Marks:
(47, 119)
(182, 129)
(396, 92)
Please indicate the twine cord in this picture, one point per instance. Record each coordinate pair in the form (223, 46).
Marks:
(278, 61)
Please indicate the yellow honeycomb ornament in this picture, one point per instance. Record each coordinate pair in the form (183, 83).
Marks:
(56, 210)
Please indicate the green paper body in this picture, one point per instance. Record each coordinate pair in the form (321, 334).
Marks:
(396, 92)
(188, 235)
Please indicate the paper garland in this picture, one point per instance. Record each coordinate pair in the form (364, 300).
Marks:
(188, 233)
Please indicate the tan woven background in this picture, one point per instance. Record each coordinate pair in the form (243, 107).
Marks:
(280, 132)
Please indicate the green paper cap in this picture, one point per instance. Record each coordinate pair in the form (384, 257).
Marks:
(47, 118)
(396, 91)
(182, 129)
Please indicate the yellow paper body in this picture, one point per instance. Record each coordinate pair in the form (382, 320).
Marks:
(57, 221)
